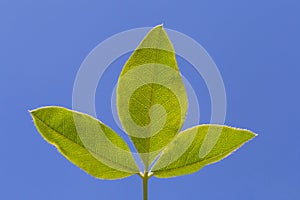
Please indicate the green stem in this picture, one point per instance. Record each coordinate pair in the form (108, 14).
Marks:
(145, 186)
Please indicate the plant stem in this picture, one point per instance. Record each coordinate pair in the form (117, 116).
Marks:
(145, 186)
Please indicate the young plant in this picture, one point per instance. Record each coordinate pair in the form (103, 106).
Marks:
(152, 105)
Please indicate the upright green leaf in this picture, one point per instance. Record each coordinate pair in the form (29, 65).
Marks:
(185, 154)
(86, 142)
(151, 97)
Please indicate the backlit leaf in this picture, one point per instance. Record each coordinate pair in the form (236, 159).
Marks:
(151, 97)
(194, 148)
(86, 142)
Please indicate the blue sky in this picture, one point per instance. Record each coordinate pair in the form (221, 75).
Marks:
(255, 45)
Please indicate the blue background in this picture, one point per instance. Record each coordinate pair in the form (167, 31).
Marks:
(254, 43)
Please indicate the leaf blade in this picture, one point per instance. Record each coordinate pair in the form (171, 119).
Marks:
(57, 126)
(190, 161)
(151, 98)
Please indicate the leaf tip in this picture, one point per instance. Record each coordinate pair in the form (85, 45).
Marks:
(159, 26)
(253, 135)
(31, 112)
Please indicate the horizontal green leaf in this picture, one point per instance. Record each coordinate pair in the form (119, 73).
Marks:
(194, 148)
(86, 142)
(151, 97)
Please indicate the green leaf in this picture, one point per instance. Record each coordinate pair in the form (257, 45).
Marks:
(151, 98)
(197, 147)
(86, 142)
